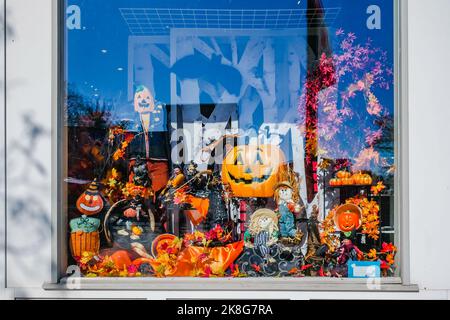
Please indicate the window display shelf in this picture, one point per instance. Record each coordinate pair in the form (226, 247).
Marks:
(246, 284)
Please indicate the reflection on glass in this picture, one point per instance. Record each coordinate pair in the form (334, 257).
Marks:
(233, 138)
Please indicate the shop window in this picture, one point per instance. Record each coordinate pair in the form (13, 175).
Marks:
(230, 138)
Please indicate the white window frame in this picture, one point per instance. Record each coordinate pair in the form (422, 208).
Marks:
(59, 221)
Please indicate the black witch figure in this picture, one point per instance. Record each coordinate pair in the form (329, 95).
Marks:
(196, 181)
(140, 173)
(217, 212)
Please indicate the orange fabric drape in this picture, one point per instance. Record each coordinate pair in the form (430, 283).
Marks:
(189, 259)
(201, 205)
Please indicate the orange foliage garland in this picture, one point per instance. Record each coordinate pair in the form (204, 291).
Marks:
(370, 221)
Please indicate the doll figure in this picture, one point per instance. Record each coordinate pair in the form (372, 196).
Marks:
(140, 173)
(348, 251)
(262, 232)
(176, 180)
(217, 210)
(287, 209)
(315, 248)
(196, 181)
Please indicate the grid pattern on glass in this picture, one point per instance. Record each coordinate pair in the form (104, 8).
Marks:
(156, 21)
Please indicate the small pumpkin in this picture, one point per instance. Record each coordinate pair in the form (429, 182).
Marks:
(358, 178)
(121, 259)
(347, 181)
(90, 202)
(348, 217)
(253, 170)
(367, 179)
(342, 174)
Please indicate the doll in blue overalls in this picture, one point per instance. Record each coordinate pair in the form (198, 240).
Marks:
(287, 208)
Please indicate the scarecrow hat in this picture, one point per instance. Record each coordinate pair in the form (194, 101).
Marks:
(283, 184)
(264, 213)
(348, 208)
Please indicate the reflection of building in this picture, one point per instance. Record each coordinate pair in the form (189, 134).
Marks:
(252, 59)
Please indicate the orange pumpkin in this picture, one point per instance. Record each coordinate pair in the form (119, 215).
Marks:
(358, 178)
(253, 170)
(348, 217)
(90, 202)
(347, 181)
(367, 180)
(121, 259)
(343, 174)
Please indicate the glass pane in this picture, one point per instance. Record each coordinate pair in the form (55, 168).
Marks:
(230, 138)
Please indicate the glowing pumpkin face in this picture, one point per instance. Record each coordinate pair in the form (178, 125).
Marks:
(348, 218)
(143, 100)
(90, 202)
(253, 171)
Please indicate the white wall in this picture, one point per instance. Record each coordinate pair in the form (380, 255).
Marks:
(429, 114)
(29, 92)
(28, 124)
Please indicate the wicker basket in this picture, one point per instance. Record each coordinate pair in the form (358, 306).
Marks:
(111, 234)
(84, 242)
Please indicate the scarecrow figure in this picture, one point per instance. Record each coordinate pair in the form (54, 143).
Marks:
(287, 208)
(262, 232)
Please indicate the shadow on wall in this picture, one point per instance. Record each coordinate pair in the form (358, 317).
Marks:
(28, 206)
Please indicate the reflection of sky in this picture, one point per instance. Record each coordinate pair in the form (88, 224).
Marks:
(99, 52)
(103, 28)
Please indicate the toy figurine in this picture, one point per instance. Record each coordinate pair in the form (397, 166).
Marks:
(90, 202)
(287, 208)
(196, 181)
(347, 220)
(348, 251)
(140, 175)
(175, 181)
(316, 250)
(263, 230)
(217, 210)
(84, 236)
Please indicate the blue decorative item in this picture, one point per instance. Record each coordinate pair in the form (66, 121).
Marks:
(84, 224)
(286, 209)
(364, 269)
(287, 222)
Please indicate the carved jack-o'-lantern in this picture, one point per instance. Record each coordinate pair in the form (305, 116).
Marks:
(348, 217)
(143, 100)
(253, 170)
(90, 202)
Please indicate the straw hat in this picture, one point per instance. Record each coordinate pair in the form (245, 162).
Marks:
(283, 184)
(265, 213)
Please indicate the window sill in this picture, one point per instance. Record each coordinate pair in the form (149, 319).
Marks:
(231, 284)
